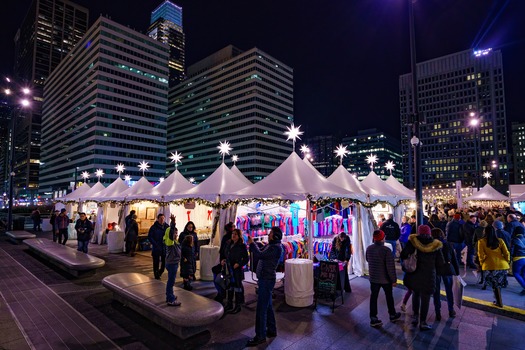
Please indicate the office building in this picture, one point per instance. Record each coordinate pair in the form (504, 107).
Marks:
(245, 98)
(106, 103)
(462, 103)
(166, 26)
(518, 152)
(322, 153)
(5, 138)
(373, 142)
(47, 34)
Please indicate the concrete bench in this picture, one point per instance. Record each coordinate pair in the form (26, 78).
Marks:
(147, 297)
(68, 259)
(18, 236)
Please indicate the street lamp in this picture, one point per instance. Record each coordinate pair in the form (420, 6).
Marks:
(16, 101)
(475, 124)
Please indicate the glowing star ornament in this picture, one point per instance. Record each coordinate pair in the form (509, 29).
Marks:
(371, 159)
(176, 158)
(161, 179)
(341, 152)
(305, 150)
(224, 149)
(293, 133)
(143, 166)
(99, 173)
(390, 166)
(235, 158)
(127, 178)
(120, 168)
(85, 176)
(487, 175)
(192, 179)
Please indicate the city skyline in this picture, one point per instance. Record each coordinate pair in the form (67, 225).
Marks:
(337, 51)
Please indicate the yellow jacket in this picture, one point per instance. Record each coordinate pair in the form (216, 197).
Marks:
(493, 259)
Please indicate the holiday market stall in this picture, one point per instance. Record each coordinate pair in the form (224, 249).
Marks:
(488, 197)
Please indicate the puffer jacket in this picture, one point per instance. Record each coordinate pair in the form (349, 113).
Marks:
(381, 265)
(518, 246)
(451, 266)
(268, 258)
(454, 232)
(187, 261)
(493, 259)
(429, 258)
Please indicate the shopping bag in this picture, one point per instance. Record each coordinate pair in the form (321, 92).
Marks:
(410, 263)
(458, 284)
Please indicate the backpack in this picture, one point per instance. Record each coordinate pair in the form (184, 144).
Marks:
(410, 263)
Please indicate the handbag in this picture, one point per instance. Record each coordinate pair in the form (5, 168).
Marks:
(223, 280)
(410, 263)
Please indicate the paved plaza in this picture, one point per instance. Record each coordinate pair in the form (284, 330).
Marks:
(41, 307)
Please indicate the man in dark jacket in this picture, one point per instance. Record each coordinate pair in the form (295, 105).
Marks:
(382, 275)
(501, 233)
(84, 229)
(128, 218)
(512, 223)
(392, 232)
(268, 257)
(158, 249)
(132, 235)
(62, 224)
(468, 229)
(455, 236)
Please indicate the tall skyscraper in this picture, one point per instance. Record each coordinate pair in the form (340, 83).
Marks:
(47, 34)
(518, 152)
(5, 138)
(106, 103)
(245, 98)
(322, 153)
(378, 143)
(166, 26)
(462, 102)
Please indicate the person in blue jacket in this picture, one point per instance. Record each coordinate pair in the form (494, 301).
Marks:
(158, 248)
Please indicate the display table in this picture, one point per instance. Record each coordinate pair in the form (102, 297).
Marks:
(209, 257)
(299, 284)
(116, 241)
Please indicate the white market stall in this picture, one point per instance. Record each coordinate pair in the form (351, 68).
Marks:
(488, 197)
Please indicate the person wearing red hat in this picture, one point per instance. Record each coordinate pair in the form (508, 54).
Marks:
(382, 275)
(422, 281)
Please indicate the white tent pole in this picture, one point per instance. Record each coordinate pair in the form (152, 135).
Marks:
(309, 233)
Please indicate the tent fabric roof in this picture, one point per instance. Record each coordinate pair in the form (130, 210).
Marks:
(114, 189)
(173, 184)
(395, 184)
(221, 182)
(97, 187)
(520, 198)
(378, 187)
(139, 188)
(293, 180)
(237, 172)
(76, 194)
(487, 193)
(341, 177)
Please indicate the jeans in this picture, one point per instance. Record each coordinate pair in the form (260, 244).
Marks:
(394, 246)
(159, 258)
(375, 288)
(470, 254)
(264, 316)
(83, 246)
(62, 233)
(420, 305)
(518, 269)
(172, 274)
(458, 247)
(447, 281)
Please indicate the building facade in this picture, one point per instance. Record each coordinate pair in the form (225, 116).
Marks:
(462, 103)
(5, 146)
(375, 142)
(49, 31)
(245, 98)
(518, 152)
(106, 103)
(322, 153)
(166, 26)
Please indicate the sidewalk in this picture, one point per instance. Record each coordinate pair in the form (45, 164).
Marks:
(298, 328)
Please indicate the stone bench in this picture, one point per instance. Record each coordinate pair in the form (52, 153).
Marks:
(18, 236)
(147, 297)
(66, 258)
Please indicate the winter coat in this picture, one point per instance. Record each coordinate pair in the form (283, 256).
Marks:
(429, 258)
(505, 236)
(511, 226)
(391, 230)
(453, 232)
(187, 261)
(451, 266)
(518, 246)
(406, 228)
(381, 265)
(237, 254)
(493, 259)
(52, 221)
(156, 237)
(468, 231)
(132, 231)
(268, 258)
(62, 222)
(173, 249)
(223, 250)
(479, 233)
(84, 229)
(344, 253)
(195, 247)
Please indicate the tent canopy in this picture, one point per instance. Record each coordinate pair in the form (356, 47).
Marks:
(140, 188)
(398, 186)
(241, 176)
(341, 177)
(173, 184)
(93, 190)
(487, 193)
(76, 194)
(114, 189)
(378, 187)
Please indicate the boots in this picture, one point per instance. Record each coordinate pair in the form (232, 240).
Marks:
(187, 285)
(497, 295)
(482, 278)
(239, 299)
(229, 305)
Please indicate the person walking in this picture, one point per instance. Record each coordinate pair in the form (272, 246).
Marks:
(228, 230)
(187, 266)
(236, 259)
(392, 232)
(445, 273)
(158, 249)
(36, 217)
(494, 258)
(173, 254)
(132, 235)
(468, 229)
(342, 251)
(62, 224)
(455, 236)
(422, 281)
(512, 223)
(52, 222)
(84, 229)
(517, 254)
(382, 273)
(405, 231)
(268, 258)
(501, 233)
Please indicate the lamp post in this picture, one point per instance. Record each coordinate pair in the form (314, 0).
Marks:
(20, 101)
(76, 176)
(475, 124)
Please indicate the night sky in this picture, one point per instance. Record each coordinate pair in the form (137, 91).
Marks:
(347, 55)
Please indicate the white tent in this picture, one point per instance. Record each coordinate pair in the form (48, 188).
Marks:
(173, 184)
(341, 177)
(141, 188)
(378, 187)
(487, 193)
(241, 176)
(75, 195)
(114, 189)
(520, 198)
(93, 190)
(398, 186)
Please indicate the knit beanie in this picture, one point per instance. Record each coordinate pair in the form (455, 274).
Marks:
(483, 223)
(457, 216)
(498, 225)
(378, 235)
(423, 230)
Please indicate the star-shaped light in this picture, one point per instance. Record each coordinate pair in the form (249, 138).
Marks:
(85, 175)
(99, 173)
(487, 175)
(161, 179)
(143, 166)
(127, 178)
(371, 159)
(120, 168)
(390, 166)
(341, 152)
(235, 158)
(176, 158)
(224, 148)
(293, 133)
(192, 179)
(304, 149)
